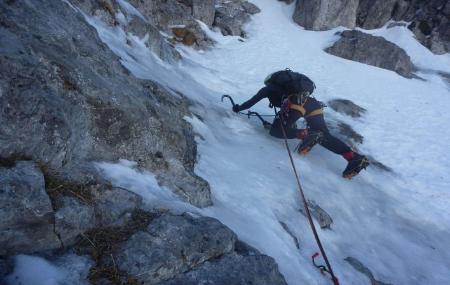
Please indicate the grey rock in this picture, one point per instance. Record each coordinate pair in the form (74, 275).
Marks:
(320, 15)
(26, 223)
(372, 50)
(373, 14)
(231, 15)
(169, 14)
(291, 233)
(113, 207)
(204, 11)
(233, 269)
(154, 39)
(324, 219)
(73, 219)
(430, 23)
(355, 263)
(66, 100)
(171, 245)
(250, 8)
(5, 268)
(346, 107)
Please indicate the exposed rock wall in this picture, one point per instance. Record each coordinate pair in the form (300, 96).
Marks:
(66, 100)
(430, 20)
(321, 15)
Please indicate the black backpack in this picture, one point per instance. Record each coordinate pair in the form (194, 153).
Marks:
(291, 82)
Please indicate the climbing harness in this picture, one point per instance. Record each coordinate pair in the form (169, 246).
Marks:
(328, 268)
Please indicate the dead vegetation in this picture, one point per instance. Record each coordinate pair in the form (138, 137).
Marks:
(102, 243)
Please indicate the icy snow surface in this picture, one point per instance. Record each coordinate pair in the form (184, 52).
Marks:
(32, 270)
(397, 224)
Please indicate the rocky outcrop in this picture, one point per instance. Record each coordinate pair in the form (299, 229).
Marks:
(66, 100)
(26, 212)
(429, 20)
(172, 15)
(372, 50)
(320, 15)
(41, 214)
(171, 245)
(167, 249)
(373, 14)
(233, 269)
(162, 248)
(430, 23)
(232, 15)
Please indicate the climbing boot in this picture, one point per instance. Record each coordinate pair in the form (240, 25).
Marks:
(355, 165)
(310, 140)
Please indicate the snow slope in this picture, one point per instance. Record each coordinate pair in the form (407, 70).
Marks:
(397, 224)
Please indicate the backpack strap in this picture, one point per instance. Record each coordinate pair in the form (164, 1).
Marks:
(303, 111)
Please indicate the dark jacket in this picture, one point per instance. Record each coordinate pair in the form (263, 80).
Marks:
(276, 95)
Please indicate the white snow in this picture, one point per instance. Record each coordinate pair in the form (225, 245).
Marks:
(397, 224)
(32, 270)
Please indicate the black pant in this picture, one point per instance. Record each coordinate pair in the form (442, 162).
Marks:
(315, 123)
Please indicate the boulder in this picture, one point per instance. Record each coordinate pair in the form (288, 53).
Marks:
(372, 50)
(163, 248)
(320, 15)
(233, 269)
(231, 15)
(171, 245)
(66, 100)
(26, 223)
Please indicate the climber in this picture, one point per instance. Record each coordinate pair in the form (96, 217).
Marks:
(291, 92)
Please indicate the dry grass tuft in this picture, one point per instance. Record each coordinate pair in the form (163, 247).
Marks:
(102, 243)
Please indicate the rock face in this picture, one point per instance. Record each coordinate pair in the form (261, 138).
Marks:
(321, 15)
(169, 14)
(65, 100)
(26, 223)
(376, 51)
(430, 23)
(34, 221)
(373, 14)
(430, 20)
(174, 249)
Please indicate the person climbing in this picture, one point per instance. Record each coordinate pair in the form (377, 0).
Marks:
(291, 92)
